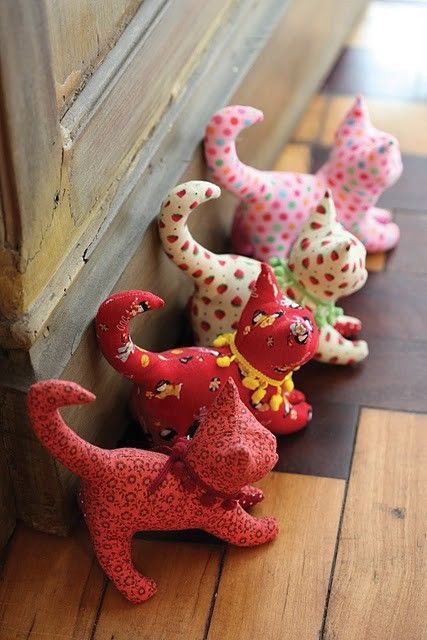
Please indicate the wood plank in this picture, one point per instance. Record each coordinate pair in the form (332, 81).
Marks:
(325, 447)
(7, 499)
(186, 576)
(103, 140)
(134, 200)
(310, 124)
(375, 262)
(410, 256)
(50, 587)
(294, 157)
(31, 147)
(392, 377)
(379, 588)
(279, 590)
(360, 71)
(81, 33)
(392, 305)
(410, 191)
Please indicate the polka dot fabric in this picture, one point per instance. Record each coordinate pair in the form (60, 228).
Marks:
(326, 263)
(124, 491)
(172, 389)
(363, 163)
(222, 282)
(274, 205)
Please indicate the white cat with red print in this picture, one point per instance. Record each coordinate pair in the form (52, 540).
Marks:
(326, 263)
(222, 282)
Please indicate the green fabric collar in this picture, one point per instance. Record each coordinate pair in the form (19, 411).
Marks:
(324, 313)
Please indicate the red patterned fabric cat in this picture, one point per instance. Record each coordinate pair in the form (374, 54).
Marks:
(124, 491)
(172, 389)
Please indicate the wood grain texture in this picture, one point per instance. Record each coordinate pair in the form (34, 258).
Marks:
(50, 588)
(379, 588)
(31, 149)
(325, 447)
(392, 377)
(103, 140)
(7, 499)
(392, 305)
(310, 124)
(186, 576)
(375, 262)
(410, 256)
(294, 157)
(81, 33)
(279, 590)
(42, 498)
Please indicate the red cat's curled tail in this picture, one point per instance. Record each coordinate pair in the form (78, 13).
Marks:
(44, 400)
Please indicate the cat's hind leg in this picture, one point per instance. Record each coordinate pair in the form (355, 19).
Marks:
(113, 548)
(379, 236)
(382, 215)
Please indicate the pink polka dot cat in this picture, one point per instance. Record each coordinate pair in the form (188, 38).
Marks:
(274, 205)
(124, 491)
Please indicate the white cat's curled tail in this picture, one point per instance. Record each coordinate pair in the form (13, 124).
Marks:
(177, 240)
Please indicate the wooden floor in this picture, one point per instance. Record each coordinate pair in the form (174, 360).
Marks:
(350, 492)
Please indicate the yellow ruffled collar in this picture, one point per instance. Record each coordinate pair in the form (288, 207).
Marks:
(254, 380)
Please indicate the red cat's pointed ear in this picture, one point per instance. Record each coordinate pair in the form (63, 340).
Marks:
(228, 400)
(264, 292)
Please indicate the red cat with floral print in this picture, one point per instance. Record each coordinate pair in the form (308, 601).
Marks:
(172, 389)
(128, 490)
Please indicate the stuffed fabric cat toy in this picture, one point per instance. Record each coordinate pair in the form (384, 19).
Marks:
(326, 263)
(124, 491)
(274, 205)
(172, 389)
(223, 282)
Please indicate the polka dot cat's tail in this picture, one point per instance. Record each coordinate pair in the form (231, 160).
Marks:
(221, 157)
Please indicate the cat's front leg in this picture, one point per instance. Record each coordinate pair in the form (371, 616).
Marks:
(250, 496)
(240, 528)
(348, 326)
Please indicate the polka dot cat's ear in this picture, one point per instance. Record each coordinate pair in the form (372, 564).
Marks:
(356, 119)
(324, 215)
(359, 111)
